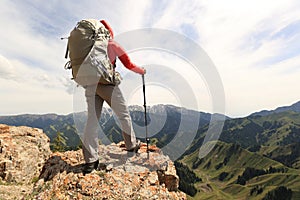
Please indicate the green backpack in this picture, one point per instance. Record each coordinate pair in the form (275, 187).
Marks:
(87, 49)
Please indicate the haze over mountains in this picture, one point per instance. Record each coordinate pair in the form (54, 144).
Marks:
(256, 157)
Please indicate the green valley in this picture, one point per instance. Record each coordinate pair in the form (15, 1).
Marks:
(231, 172)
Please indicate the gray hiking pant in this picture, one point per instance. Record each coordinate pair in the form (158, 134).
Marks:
(95, 96)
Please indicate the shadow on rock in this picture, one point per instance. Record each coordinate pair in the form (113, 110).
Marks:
(56, 164)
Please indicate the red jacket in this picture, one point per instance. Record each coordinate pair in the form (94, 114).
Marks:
(115, 50)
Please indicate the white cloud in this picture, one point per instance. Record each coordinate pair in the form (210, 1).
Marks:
(28, 90)
(229, 29)
(238, 36)
(24, 97)
(179, 80)
(7, 71)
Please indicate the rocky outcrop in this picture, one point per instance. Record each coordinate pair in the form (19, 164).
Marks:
(127, 176)
(23, 151)
(28, 164)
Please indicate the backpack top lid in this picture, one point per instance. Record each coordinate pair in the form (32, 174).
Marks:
(93, 25)
(96, 23)
(101, 24)
(100, 27)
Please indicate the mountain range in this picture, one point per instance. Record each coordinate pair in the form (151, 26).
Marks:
(294, 107)
(164, 120)
(256, 156)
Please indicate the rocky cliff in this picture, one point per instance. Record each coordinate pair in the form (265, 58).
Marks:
(23, 152)
(29, 170)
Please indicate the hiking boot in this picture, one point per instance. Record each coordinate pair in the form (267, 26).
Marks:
(136, 148)
(89, 167)
(101, 166)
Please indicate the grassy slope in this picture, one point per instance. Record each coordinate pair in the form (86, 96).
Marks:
(238, 160)
(275, 136)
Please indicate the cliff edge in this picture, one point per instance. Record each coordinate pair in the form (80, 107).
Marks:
(29, 170)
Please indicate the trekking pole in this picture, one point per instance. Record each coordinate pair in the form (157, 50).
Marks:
(145, 112)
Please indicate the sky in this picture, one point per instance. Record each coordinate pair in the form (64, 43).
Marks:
(254, 46)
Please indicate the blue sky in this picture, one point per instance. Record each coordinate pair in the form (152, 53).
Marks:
(253, 44)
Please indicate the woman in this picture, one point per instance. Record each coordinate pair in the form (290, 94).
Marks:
(112, 95)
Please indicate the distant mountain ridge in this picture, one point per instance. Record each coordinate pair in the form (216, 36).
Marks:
(53, 123)
(163, 116)
(294, 107)
(254, 155)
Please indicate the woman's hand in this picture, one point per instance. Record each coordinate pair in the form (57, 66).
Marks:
(144, 71)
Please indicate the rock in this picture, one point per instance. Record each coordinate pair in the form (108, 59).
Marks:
(4, 129)
(153, 179)
(23, 151)
(109, 167)
(34, 172)
(127, 176)
(169, 177)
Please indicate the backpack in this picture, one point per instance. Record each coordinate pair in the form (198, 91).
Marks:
(87, 49)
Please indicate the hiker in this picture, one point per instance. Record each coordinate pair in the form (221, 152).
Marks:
(97, 93)
(112, 95)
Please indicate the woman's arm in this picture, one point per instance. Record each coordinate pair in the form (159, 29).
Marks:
(115, 50)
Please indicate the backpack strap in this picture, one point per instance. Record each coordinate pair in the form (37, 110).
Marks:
(67, 51)
(68, 65)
